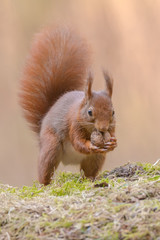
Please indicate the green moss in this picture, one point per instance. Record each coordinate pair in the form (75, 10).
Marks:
(31, 237)
(110, 235)
(155, 178)
(101, 180)
(69, 187)
(138, 236)
(61, 223)
(126, 208)
(65, 224)
(121, 207)
(32, 191)
(67, 183)
(149, 168)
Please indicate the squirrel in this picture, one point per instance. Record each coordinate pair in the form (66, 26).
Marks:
(59, 103)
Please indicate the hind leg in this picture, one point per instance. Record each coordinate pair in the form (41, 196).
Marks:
(92, 164)
(48, 162)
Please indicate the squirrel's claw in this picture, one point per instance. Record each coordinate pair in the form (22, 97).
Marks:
(113, 139)
(95, 149)
(110, 146)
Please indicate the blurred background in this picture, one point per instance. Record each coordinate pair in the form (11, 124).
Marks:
(125, 38)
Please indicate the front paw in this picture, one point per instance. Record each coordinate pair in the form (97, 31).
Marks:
(111, 145)
(95, 149)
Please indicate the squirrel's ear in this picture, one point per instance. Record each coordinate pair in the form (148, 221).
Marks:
(109, 83)
(88, 91)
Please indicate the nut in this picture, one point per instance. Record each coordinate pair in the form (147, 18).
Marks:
(107, 137)
(98, 139)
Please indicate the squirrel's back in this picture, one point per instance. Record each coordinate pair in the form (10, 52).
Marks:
(58, 63)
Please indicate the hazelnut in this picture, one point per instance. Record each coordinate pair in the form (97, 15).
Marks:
(98, 139)
(107, 137)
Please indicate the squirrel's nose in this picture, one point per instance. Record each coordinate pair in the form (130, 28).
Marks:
(102, 127)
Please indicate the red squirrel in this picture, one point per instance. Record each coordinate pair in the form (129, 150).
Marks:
(58, 102)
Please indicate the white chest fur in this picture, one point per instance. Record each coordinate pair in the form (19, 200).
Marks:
(70, 155)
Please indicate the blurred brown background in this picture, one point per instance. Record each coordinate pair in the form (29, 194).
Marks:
(125, 38)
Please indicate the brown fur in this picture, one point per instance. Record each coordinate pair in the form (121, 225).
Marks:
(47, 162)
(58, 63)
(92, 165)
(58, 111)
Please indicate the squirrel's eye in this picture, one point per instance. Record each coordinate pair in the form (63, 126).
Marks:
(113, 112)
(90, 112)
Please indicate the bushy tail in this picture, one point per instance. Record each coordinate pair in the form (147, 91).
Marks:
(58, 63)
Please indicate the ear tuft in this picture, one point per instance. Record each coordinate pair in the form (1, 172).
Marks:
(109, 82)
(88, 90)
